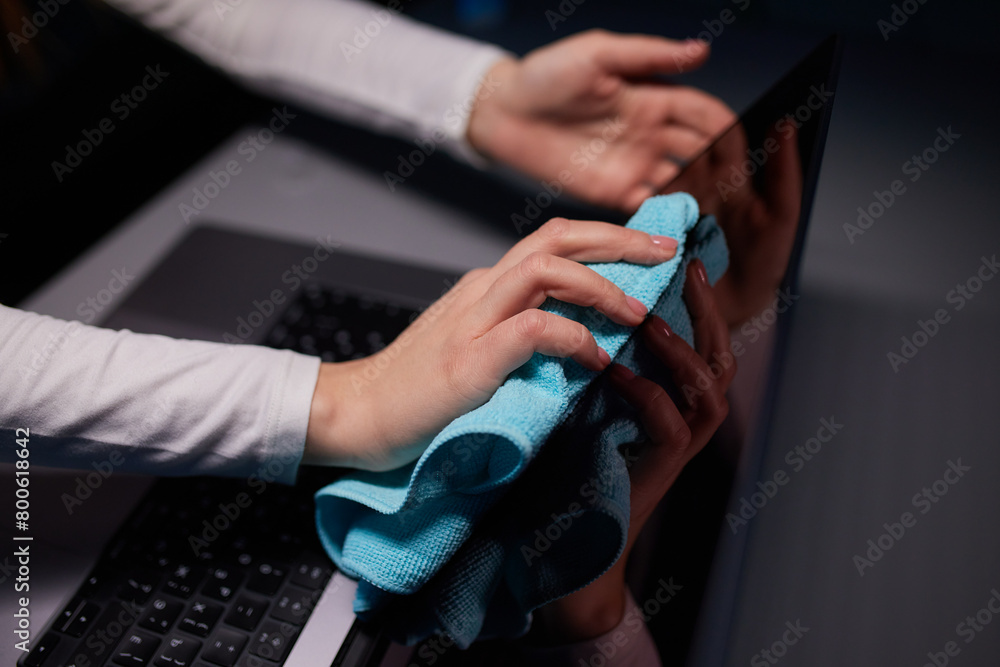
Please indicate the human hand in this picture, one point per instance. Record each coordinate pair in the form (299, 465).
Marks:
(676, 433)
(588, 106)
(759, 216)
(461, 349)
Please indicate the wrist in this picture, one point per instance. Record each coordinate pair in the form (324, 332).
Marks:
(486, 118)
(334, 416)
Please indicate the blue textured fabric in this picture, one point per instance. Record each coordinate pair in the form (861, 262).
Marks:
(468, 539)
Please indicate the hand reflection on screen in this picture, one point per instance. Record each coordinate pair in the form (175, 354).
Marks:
(756, 196)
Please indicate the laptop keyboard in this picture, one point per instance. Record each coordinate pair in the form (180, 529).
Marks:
(211, 572)
(336, 326)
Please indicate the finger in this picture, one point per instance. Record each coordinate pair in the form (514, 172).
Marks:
(681, 142)
(541, 275)
(698, 110)
(704, 402)
(632, 199)
(591, 241)
(663, 173)
(711, 336)
(670, 437)
(646, 55)
(512, 342)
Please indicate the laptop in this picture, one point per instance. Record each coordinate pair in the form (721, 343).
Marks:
(223, 573)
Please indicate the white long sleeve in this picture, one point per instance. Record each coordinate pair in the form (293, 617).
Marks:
(166, 406)
(357, 61)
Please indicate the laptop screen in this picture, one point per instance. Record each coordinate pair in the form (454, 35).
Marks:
(758, 179)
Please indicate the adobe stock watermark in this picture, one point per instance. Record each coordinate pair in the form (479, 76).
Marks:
(224, 7)
(376, 364)
(86, 486)
(796, 458)
(713, 30)
(249, 148)
(294, 277)
(88, 310)
(462, 450)
(229, 513)
(121, 107)
(431, 650)
(562, 12)
(898, 17)
(363, 35)
(30, 25)
(752, 330)
(453, 117)
(968, 629)
(786, 126)
(779, 648)
(632, 624)
(591, 491)
(924, 500)
(914, 168)
(958, 297)
(581, 159)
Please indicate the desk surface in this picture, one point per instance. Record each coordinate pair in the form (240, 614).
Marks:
(901, 429)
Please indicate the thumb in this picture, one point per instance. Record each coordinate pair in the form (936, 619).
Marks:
(646, 55)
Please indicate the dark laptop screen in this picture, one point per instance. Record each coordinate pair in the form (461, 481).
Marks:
(758, 178)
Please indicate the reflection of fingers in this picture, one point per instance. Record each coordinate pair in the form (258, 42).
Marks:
(663, 172)
(704, 395)
(681, 142)
(590, 241)
(540, 275)
(512, 342)
(698, 110)
(637, 194)
(710, 333)
(685, 364)
(783, 177)
(665, 427)
(731, 147)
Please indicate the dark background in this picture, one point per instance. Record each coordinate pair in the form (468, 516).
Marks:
(63, 81)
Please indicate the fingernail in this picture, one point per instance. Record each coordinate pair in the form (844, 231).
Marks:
(700, 270)
(664, 327)
(605, 358)
(664, 242)
(636, 306)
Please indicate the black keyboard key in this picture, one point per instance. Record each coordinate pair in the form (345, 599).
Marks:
(138, 586)
(68, 614)
(200, 618)
(246, 612)
(136, 649)
(97, 646)
(251, 660)
(274, 640)
(42, 650)
(177, 651)
(85, 615)
(183, 579)
(222, 584)
(224, 647)
(294, 605)
(267, 578)
(311, 574)
(161, 614)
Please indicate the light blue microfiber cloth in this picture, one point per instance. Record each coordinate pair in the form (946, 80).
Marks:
(467, 540)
